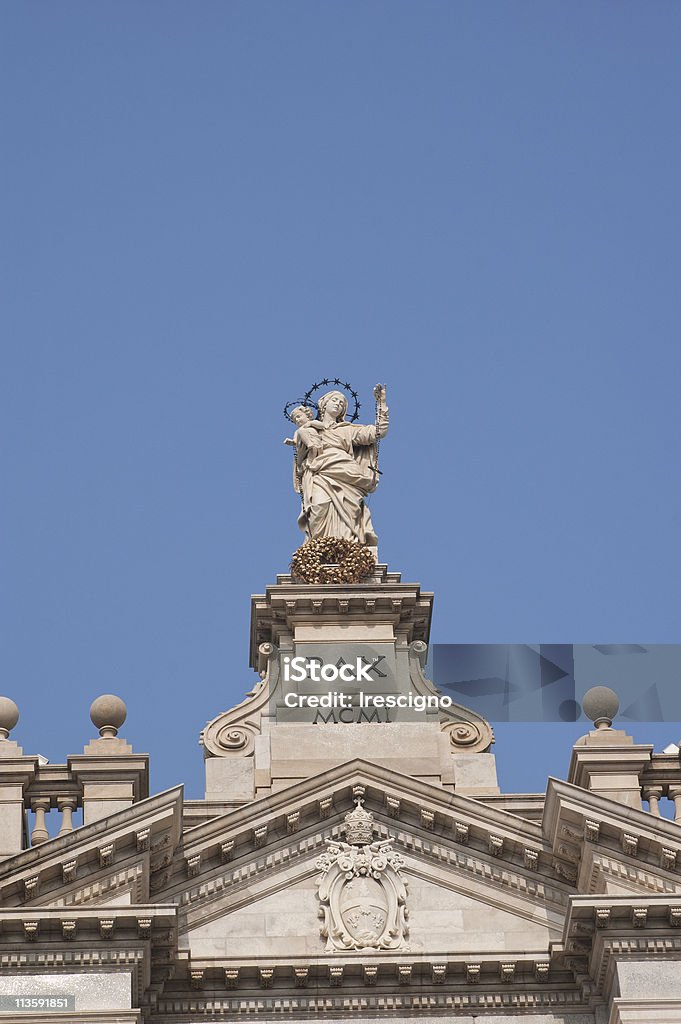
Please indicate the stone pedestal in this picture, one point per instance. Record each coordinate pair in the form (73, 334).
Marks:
(608, 762)
(112, 777)
(263, 745)
(16, 773)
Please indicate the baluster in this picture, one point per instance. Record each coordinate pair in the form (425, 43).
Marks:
(40, 833)
(675, 795)
(652, 794)
(67, 805)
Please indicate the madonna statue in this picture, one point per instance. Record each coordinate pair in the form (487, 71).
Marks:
(337, 467)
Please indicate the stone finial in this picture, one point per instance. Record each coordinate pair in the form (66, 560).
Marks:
(601, 704)
(9, 716)
(606, 760)
(107, 714)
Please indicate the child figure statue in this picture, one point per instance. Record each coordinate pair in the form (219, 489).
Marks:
(305, 439)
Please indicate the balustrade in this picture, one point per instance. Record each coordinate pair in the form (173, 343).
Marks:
(661, 780)
(107, 777)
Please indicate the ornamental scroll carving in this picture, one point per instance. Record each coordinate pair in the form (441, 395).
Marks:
(361, 891)
(233, 732)
(468, 731)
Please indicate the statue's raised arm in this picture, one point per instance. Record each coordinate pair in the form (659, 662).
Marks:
(381, 411)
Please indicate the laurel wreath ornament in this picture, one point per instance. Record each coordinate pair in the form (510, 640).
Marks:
(332, 560)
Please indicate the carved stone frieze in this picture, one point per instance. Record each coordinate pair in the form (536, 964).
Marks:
(569, 852)
(570, 833)
(405, 1001)
(566, 871)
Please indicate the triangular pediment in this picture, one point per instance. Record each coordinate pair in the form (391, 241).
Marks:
(114, 861)
(450, 911)
(607, 848)
(470, 869)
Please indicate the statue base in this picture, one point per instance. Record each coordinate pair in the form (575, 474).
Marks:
(342, 677)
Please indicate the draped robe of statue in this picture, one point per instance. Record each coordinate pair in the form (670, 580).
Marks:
(334, 478)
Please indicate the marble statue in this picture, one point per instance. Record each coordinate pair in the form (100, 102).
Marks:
(336, 468)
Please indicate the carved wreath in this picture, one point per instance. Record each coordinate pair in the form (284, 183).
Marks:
(332, 560)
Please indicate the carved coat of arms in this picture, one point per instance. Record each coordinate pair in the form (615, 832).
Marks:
(361, 891)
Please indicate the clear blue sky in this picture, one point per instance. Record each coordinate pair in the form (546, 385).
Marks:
(206, 207)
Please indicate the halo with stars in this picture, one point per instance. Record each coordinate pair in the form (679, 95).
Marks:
(337, 383)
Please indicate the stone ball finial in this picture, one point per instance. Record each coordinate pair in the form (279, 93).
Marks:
(107, 714)
(9, 716)
(600, 704)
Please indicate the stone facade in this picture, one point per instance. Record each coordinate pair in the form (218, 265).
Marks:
(341, 867)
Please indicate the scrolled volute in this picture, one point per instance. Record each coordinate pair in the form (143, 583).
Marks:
(232, 733)
(468, 731)
(463, 734)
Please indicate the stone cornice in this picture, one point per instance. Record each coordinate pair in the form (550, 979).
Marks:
(599, 930)
(433, 983)
(135, 938)
(306, 796)
(339, 1000)
(51, 917)
(381, 598)
(563, 797)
